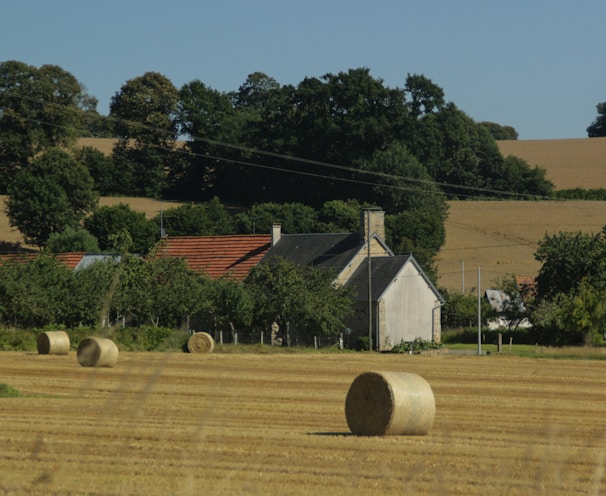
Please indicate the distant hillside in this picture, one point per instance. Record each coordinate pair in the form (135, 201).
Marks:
(501, 237)
(570, 163)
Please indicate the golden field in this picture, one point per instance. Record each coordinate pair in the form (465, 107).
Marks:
(570, 163)
(216, 424)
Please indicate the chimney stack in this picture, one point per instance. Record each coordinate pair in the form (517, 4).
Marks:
(372, 221)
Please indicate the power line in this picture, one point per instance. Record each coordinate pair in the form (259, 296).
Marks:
(251, 150)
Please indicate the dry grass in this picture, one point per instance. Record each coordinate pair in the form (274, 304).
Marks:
(259, 424)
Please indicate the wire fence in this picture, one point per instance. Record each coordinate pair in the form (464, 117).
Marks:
(317, 342)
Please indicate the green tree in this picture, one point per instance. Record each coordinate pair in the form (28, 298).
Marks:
(35, 292)
(207, 118)
(132, 299)
(423, 95)
(53, 193)
(515, 175)
(232, 305)
(205, 219)
(402, 182)
(455, 150)
(159, 291)
(293, 217)
(568, 258)
(90, 293)
(574, 318)
(176, 293)
(109, 221)
(300, 299)
(40, 108)
(598, 127)
(461, 310)
(515, 310)
(72, 240)
(143, 113)
(340, 215)
(500, 132)
(102, 169)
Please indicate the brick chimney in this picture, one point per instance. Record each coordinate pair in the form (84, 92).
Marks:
(372, 221)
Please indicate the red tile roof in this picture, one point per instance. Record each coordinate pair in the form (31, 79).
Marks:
(217, 256)
(69, 259)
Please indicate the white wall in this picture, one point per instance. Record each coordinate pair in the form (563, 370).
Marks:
(408, 309)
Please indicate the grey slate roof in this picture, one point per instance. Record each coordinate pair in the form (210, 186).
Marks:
(90, 259)
(383, 272)
(330, 251)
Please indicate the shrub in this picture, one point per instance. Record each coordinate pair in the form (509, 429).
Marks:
(149, 338)
(12, 339)
(417, 345)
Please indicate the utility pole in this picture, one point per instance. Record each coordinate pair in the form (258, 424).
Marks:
(479, 315)
(369, 283)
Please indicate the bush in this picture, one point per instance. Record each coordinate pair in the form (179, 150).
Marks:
(417, 345)
(12, 339)
(469, 335)
(150, 338)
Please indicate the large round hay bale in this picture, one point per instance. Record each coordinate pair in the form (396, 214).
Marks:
(389, 403)
(201, 342)
(97, 352)
(53, 343)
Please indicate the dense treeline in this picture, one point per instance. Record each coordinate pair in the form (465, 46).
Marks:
(162, 292)
(264, 142)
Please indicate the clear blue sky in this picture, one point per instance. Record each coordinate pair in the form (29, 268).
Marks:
(535, 65)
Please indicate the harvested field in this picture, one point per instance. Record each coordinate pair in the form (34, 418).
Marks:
(501, 237)
(569, 163)
(275, 424)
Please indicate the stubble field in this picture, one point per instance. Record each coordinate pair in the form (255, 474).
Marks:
(183, 424)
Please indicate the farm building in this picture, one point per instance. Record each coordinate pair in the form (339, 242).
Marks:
(405, 305)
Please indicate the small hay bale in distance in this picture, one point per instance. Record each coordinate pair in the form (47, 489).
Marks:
(53, 343)
(389, 403)
(200, 342)
(97, 352)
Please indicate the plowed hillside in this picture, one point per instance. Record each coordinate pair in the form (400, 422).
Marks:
(218, 424)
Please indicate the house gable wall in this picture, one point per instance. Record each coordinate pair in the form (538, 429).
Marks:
(408, 310)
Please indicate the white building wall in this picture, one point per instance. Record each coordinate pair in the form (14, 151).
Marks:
(407, 309)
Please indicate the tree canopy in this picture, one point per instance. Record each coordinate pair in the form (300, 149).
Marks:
(40, 108)
(598, 127)
(53, 193)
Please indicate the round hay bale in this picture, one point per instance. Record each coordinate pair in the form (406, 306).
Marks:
(53, 343)
(389, 403)
(97, 352)
(201, 342)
